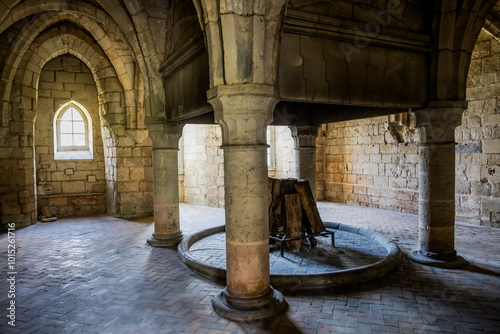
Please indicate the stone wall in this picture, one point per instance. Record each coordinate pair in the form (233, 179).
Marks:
(181, 25)
(203, 165)
(134, 175)
(370, 163)
(68, 187)
(478, 149)
(203, 179)
(374, 162)
(118, 180)
(364, 164)
(285, 153)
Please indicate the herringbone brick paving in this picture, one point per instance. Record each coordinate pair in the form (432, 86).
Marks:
(97, 275)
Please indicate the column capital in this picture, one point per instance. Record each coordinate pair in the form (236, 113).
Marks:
(304, 136)
(165, 135)
(243, 111)
(438, 121)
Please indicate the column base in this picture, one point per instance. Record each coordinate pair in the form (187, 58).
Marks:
(249, 309)
(451, 260)
(165, 240)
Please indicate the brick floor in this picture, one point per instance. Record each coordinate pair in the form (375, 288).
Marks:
(97, 275)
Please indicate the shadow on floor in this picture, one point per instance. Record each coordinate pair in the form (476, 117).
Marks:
(481, 269)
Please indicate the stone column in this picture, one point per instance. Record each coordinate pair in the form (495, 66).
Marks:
(320, 163)
(165, 137)
(304, 139)
(244, 111)
(436, 231)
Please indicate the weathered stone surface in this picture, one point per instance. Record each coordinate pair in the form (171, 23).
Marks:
(68, 176)
(203, 168)
(491, 146)
(244, 111)
(165, 139)
(389, 63)
(471, 147)
(304, 138)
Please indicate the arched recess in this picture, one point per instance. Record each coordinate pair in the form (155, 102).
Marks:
(133, 14)
(69, 182)
(29, 11)
(120, 34)
(53, 43)
(120, 57)
(456, 27)
(128, 21)
(492, 23)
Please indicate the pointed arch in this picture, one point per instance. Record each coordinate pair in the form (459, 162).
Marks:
(72, 132)
(456, 27)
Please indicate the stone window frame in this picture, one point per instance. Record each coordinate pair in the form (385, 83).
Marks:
(73, 152)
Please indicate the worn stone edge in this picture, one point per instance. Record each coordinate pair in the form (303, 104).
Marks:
(338, 278)
(198, 267)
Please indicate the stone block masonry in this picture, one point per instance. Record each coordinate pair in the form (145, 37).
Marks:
(134, 180)
(203, 179)
(364, 162)
(118, 179)
(477, 170)
(365, 165)
(74, 205)
(68, 187)
(284, 153)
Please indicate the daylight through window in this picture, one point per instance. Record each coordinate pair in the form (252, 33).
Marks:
(72, 132)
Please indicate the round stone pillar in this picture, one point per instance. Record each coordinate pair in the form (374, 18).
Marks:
(436, 231)
(165, 138)
(304, 139)
(244, 111)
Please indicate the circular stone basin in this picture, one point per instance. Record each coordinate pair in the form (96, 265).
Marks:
(358, 255)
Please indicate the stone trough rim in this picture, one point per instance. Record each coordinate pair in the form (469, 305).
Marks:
(303, 281)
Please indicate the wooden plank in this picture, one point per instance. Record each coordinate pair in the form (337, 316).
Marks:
(293, 214)
(270, 193)
(287, 186)
(309, 205)
(275, 206)
(307, 229)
